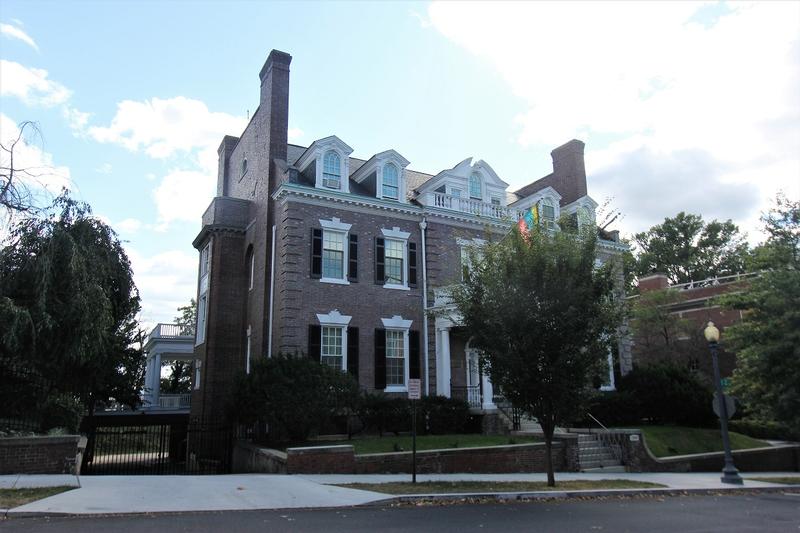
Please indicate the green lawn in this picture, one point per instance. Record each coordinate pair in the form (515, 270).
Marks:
(10, 498)
(792, 480)
(439, 487)
(665, 441)
(426, 442)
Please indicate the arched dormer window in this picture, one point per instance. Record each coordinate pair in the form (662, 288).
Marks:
(475, 191)
(332, 170)
(584, 217)
(391, 182)
(243, 170)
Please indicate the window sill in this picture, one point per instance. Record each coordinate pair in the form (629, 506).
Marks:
(335, 281)
(396, 388)
(396, 287)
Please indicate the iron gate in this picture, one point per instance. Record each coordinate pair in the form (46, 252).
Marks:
(155, 445)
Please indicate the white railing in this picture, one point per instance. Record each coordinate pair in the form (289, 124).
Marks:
(175, 401)
(171, 331)
(712, 282)
(474, 207)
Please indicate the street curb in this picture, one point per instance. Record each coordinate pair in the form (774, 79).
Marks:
(504, 497)
(562, 495)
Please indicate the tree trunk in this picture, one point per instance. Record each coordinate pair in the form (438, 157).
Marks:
(548, 446)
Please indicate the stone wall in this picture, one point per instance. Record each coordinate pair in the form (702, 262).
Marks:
(250, 458)
(39, 455)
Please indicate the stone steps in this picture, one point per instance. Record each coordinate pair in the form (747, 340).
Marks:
(594, 456)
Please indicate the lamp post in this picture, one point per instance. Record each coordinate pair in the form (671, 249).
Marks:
(729, 472)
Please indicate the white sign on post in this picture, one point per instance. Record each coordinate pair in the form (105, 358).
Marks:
(414, 389)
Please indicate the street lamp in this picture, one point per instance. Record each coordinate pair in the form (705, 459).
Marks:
(729, 472)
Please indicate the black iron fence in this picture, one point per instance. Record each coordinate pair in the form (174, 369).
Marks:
(470, 394)
(27, 404)
(156, 444)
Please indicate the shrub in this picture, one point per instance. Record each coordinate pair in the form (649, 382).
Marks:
(660, 393)
(294, 395)
(385, 413)
(439, 415)
(763, 429)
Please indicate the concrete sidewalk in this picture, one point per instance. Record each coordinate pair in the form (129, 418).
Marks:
(154, 494)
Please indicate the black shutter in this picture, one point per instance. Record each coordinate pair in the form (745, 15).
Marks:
(352, 351)
(412, 264)
(380, 260)
(316, 253)
(314, 341)
(413, 354)
(352, 270)
(380, 359)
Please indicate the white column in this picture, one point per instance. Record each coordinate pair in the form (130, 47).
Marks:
(148, 380)
(156, 379)
(488, 391)
(443, 370)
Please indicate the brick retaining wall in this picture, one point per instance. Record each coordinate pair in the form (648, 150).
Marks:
(38, 455)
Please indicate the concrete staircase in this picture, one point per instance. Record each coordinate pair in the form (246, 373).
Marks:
(594, 456)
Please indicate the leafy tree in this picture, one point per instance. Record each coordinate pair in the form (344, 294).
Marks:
(545, 319)
(686, 249)
(68, 305)
(180, 373)
(767, 340)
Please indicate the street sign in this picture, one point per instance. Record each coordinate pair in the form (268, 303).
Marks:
(730, 404)
(414, 389)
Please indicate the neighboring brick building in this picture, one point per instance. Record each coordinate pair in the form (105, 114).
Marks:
(308, 250)
(694, 302)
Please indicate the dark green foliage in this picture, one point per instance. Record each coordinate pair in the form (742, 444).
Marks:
(294, 395)
(686, 248)
(767, 340)
(661, 393)
(545, 319)
(438, 415)
(764, 429)
(68, 306)
(385, 414)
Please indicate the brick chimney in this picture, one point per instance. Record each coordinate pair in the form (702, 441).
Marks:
(224, 152)
(569, 171)
(274, 105)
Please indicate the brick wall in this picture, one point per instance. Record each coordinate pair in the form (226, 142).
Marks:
(38, 455)
(494, 459)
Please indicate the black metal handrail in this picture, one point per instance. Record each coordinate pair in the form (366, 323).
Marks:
(469, 393)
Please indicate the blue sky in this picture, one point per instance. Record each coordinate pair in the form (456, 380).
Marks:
(678, 111)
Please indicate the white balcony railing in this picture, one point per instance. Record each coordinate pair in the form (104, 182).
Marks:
(175, 401)
(171, 331)
(474, 207)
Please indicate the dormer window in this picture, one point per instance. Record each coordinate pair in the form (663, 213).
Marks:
(332, 171)
(548, 210)
(475, 186)
(391, 182)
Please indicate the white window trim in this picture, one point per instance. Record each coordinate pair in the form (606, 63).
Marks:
(396, 234)
(203, 290)
(252, 268)
(480, 185)
(401, 182)
(344, 169)
(337, 226)
(198, 363)
(336, 320)
(248, 349)
(397, 323)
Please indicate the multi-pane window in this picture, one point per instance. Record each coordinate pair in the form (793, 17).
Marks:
(331, 348)
(496, 200)
(391, 184)
(332, 170)
(333, 255)
(395, 358)
(548, 210)
(455, 192)
(475, 186)
(394, 262)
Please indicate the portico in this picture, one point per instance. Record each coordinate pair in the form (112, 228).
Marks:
(166, 342)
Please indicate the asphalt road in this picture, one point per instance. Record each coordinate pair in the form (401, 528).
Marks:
(761, 512)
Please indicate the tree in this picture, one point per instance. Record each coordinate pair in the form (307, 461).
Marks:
(180, 376)
(686, 249)
(16, 195)
(767, 340)
(545, 319)
(68, 305)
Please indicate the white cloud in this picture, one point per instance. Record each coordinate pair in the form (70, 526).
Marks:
(42, 176)
(162, 127)
(295, 134)
(183, 195)
(166, 281)
(12, 32)
(105, 168)
(31, 85)
(129, 225)
(659, 83)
